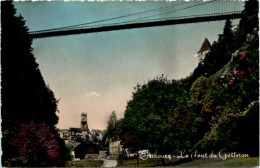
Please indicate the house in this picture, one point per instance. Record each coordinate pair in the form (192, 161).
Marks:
(205, 48)
(86, 150)
(115, 148)
(84, 144)
(64, 134)
(97, 133)
(75, 133)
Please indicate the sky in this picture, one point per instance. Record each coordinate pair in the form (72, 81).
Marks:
(96, 73)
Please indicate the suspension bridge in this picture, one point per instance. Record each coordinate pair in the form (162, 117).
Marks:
(176, 13)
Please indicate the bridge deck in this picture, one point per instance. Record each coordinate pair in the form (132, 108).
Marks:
(44, 33)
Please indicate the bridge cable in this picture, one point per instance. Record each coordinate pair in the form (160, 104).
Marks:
(103, 20)
(139, 19)
(177, 10)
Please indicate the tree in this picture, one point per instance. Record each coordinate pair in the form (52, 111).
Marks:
(118, 131)
(147, 116)
(25, 96)
(227, 32)
(36, 143)
(110, 131)
(24, 92)
(111, 123)
(248, 22)
(205, 111)
(220, 52)
(231, 103)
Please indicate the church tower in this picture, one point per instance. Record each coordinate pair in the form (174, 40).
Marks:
(84, 121)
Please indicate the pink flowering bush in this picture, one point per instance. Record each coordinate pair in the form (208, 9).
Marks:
(245, 68)
(35, 137)
(231, 82)
(240, 74)
(242, 55)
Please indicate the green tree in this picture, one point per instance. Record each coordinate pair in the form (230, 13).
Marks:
(148, 115)
(231, 103)
(219, 55)
(200, 111)
(111, 123)
(25, 96)
(118, 131)
(110, 130)
(248, 22)
(220, 52)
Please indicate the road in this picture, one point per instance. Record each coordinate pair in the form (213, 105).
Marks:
(109, 163)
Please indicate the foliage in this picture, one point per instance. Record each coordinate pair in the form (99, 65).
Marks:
(112, 128)
(147, 114)
(220, 52)
(248, 22)
(213, 108)
(25, 96)
(39, 145)
(21, 77)
(111, 123)
(132, 142)
(202, 105)
(36, 143)
(243, 94)
(236, 103)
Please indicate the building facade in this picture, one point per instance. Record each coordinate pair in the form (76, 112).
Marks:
(64, 134)
(115, 148)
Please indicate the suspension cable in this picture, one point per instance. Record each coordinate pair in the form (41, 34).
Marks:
(103, 20)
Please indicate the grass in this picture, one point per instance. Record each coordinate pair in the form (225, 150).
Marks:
(230, 162)
(94, 163)
(144, 163)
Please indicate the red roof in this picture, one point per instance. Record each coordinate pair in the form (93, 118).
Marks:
(75, 129)
(205, 46)
(86, 147)
(116, 138)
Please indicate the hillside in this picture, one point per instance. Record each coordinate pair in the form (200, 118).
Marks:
(214, 108)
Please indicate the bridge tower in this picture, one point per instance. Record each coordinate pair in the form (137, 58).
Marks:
(84, 121)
